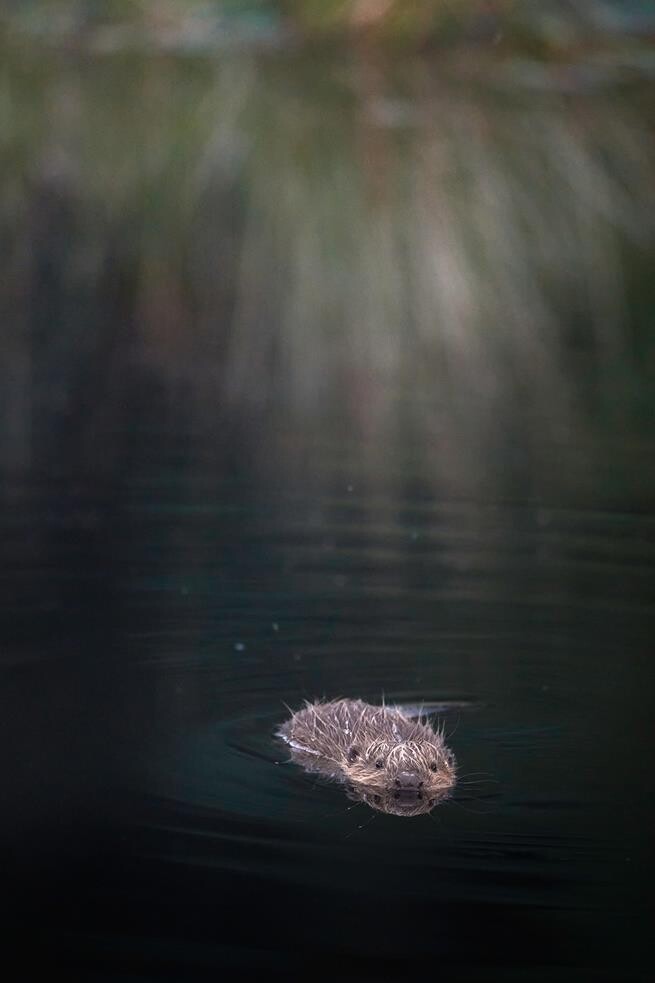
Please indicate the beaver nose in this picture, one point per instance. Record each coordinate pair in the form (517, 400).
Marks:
(408, 781)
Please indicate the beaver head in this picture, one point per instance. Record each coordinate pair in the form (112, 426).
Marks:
(406, 777)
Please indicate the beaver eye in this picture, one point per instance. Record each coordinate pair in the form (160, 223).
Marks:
(353, 754)
(379, 763)
(433, 766)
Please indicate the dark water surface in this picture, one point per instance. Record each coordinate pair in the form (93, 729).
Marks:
(158, 829)
(290, 410)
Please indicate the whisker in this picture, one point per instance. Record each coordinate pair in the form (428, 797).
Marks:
(473, 812)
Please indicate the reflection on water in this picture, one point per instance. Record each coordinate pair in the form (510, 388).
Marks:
(320, 380)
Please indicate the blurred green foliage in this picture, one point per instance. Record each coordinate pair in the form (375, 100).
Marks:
(403, 245)
(309, 236)
(552, 24)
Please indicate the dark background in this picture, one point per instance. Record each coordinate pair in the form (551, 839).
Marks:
(326, 370)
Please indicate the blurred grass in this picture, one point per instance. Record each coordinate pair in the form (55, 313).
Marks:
(347, 245)
(547, 27)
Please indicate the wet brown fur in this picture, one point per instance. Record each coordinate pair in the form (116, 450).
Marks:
(388, 759)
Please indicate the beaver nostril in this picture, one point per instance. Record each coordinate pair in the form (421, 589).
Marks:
(407, 780)
(421, 784)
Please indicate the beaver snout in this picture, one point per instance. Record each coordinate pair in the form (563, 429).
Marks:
(407, 786)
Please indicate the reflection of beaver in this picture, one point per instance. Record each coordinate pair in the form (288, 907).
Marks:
(389, 760)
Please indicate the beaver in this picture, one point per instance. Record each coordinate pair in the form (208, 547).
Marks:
(388, 757)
